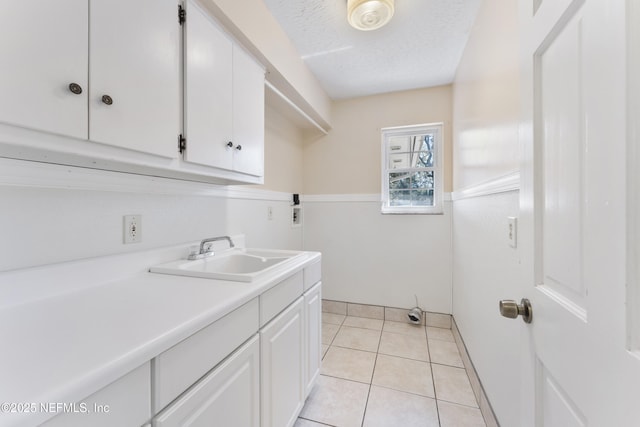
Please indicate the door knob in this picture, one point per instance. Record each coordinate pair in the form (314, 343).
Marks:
(107, 99)
(511, 309)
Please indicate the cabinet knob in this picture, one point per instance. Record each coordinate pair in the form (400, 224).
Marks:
(75, 88)
(107, 99)
(238, 147)
(230, 144)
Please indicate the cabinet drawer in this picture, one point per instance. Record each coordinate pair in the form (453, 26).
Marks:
(182, 365)
(228, 396)
(312, 275)
(279, 297)
(124, 402)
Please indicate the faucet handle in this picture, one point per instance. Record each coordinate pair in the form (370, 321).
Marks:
(194, 251)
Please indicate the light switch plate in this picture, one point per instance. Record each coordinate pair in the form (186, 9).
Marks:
(512, 231)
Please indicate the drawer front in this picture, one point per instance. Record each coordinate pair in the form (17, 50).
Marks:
(124, 402)
(279, 297)
(312, 275)
(228, 396)
(178, 368)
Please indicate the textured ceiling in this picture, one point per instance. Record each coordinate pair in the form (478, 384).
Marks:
(420, 47)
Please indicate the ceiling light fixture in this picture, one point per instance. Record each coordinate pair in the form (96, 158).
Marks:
(369, 15)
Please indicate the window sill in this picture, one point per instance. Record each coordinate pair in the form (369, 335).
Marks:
(386, 210)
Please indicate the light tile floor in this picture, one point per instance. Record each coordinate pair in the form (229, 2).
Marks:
(388, 374)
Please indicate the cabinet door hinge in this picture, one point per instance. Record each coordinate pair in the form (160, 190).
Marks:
(182, 14)
(182, 144)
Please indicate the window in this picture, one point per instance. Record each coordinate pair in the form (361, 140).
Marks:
(412, 169)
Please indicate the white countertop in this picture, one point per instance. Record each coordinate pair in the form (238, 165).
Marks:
(65, 347)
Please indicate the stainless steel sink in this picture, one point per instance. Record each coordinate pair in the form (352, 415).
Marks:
(240, 265)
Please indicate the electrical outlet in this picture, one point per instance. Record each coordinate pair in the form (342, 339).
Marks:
(132, 229)
(269, 213)
(512, 231)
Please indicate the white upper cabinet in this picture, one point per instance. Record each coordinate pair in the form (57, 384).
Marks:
(208, 91)
(224, 99)
(134, 71)
(44, 50)
(114, 84)
(248, 114)
(120, 58)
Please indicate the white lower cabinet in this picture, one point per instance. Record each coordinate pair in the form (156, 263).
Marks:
(282, 367)
(313, 335)
(265, 381)
(124, 402)
(228, 396)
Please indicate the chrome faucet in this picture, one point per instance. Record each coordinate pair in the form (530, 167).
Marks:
(207, 252)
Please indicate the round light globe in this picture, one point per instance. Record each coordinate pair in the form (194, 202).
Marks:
(367, 15)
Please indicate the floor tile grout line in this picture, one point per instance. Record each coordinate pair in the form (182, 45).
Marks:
(317, 422)
(345, 379)
(406, 392)
(459, 404)
(433, 379)
(366, 404)
(334, 337)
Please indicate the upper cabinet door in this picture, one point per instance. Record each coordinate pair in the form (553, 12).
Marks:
(134, 101)
(43, 77)
(248, 114)
(208, 91)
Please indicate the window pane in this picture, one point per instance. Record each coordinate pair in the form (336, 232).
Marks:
(422, 180)
(425, 159)
(399, 198)
(426, 142)
(397, 161)
(398, 144)
(399, 180)
(422, 197)
(411, 197)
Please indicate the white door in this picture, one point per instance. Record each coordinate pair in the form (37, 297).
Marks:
(577, 366)
(43, 76)
(135, 62)
(208, 91)
(248, 114)
(282, 367)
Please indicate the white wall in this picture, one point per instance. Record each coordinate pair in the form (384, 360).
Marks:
(347, 160)
(249, 217)
(486, 106)
(42, 225)
(486, 98)
(369, 258)
(486, 270)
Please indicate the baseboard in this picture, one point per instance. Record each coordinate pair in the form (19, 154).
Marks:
(483, 402)
(394, 314)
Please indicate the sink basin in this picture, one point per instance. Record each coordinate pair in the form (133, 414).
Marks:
(240, 265)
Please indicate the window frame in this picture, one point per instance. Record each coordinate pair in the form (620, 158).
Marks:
(438, 176)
